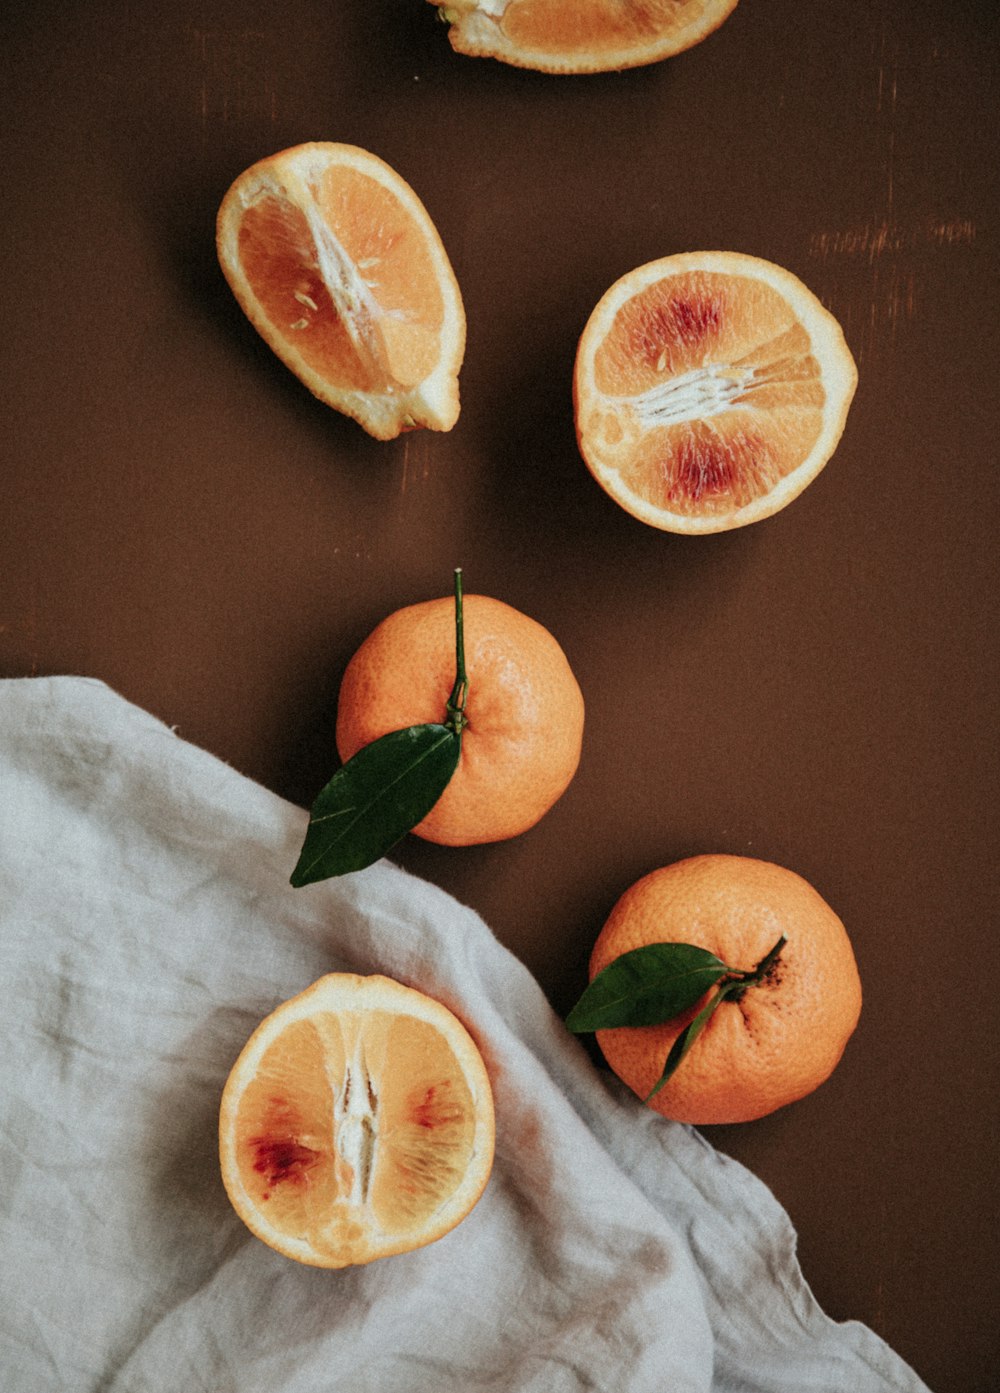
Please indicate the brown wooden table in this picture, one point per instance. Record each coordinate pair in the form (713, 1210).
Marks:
(183, 520)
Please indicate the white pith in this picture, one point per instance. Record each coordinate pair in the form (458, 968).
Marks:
(491, 8)
(702, 392)
(355, 1123)
(350, 292)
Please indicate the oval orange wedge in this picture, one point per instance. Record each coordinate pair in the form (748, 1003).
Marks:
(710, 388)
(580, 36)
(356, 1123)
(338, 265)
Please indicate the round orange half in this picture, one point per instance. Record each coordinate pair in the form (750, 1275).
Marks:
(338, 265)
(356, 1123)
(580, 36)
(710, 388)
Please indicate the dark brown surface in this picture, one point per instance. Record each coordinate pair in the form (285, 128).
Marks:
(183, 520)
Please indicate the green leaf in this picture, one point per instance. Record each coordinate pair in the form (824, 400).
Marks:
(646, 986)
(375, 799)
(691, 1032)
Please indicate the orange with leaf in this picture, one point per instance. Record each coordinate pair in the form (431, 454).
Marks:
(356, 1123)
(459, 720)
(722, 988)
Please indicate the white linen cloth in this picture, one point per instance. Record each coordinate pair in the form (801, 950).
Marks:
(147, 925)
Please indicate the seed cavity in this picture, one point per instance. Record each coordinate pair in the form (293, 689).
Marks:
(355, 1116)
(702, 392)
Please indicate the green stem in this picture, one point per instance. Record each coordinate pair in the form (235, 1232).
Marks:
(731, 988)
(742, 980)
(768, 961)
(455, 719)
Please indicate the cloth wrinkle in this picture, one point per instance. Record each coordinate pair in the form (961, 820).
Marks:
(148, 924)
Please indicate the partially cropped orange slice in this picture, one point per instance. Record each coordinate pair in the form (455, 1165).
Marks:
(580, 36)
(338, 265)
(357, 1122)
(710, 388)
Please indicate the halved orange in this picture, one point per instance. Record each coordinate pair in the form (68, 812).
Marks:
(356, 1123)
(580, 36)
(710, 388)
(338, 265)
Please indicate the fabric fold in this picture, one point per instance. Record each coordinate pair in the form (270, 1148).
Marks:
(147, 925)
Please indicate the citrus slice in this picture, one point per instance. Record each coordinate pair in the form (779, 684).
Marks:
(580, 36)
(357, 1122)
(338, 265)
(710, 388)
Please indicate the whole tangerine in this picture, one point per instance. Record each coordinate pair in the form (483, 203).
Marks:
(523, 714)
(766, 1046)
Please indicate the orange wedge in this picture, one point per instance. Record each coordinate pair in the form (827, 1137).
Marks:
(710, 389)
(580, 36)
(338, 265)
(356, 1123)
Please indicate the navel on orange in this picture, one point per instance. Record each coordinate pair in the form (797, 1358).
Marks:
(523, 711)
(766, 1046)
(356, 1123)
(580, 36)
(710, 388)
(338, 265)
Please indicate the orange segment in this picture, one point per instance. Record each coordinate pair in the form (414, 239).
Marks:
(338, 265)
(710, 389)
(575, 36)
(356, 1123)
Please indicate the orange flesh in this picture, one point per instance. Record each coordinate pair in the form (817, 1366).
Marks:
(568, 26)
(295, 1121)
(685, 455)
(399, 323)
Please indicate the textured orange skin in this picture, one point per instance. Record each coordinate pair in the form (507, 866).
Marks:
(521, 746)
(785, 1035)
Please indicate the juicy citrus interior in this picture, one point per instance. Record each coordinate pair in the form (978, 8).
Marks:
(357, 1123)
(524, 711)
(580, 35)
(781, 1038)
(710, 389)
(338, 265)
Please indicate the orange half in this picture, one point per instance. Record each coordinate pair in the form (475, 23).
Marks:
(710, 388)
(339, 267)
(356, 1123)
(580, 36)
